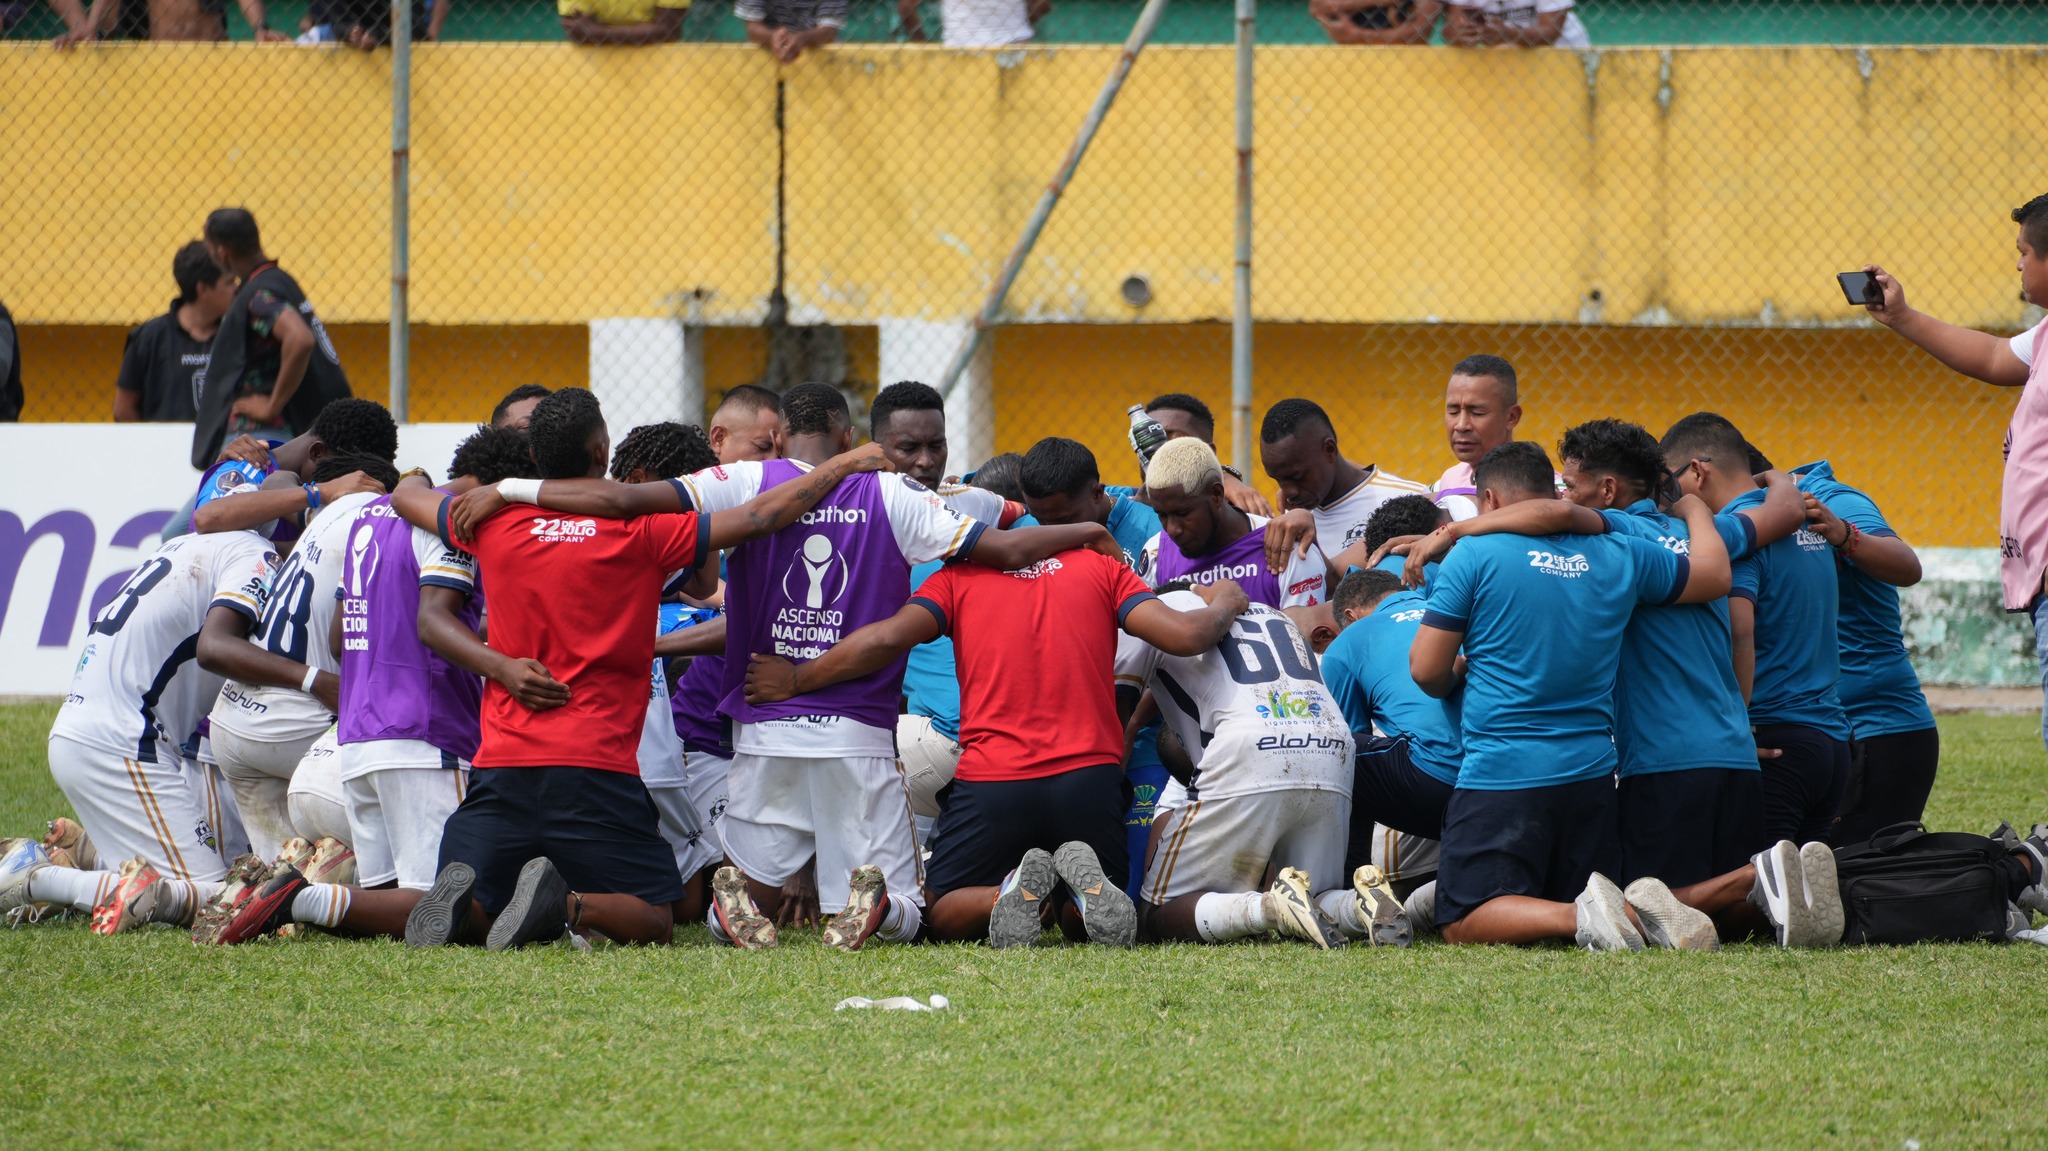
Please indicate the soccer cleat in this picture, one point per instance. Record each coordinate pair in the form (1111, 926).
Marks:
(70, 835)
(433, 921)
(245, 875)
(265, 911)
(738, 917)
(538, 911)
(1667, 923)
(867, 903)
(1603, 918)
(133, 900)
(332, 862)
(296, 853)
(1107, 914)
(1017, 920)
(1293, 914)
(1780, 892)
(1825, 915)
(1386, 919)
(19, 860)
(1421, 908)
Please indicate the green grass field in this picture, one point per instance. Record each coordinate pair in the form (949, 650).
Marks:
(148, 1041)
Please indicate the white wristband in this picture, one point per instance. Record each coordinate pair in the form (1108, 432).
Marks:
(520, 491)
(306, 685)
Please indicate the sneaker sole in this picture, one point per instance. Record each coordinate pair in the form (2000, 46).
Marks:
(432, 920)
(1108, 915)
(534, 913)
(1775, 870)
(1824, 895)
(1015, 921)
(1386, 916)
(1668, 923)
(1612, 929)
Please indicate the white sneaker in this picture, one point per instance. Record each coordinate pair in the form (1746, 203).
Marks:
(20, 859)
(1603, 918)
(1823, 894)
(1780, 892)
(1667, 923)
(1293, 914)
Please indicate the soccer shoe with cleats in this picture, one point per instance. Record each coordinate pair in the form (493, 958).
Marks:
(268, 909)
(1017, 919)
(434, 920)
(1603, 918)
(296, 853)
(245, 875)
(133, 900)
(1667, 923)
(538, 911)
(332, 862)
(69, 835)
(1386, 920)
(867, 904)
(1293, 914)
(738, 917)
(1107, 914)
(1825, 915)
(20, 859)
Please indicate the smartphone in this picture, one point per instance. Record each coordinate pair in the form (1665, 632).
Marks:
(1860, 288)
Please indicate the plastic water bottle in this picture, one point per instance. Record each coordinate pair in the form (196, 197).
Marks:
(1146, 436)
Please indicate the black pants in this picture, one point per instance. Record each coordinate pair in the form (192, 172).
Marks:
(1890, 777)
(1804, 786)
(1387, 787)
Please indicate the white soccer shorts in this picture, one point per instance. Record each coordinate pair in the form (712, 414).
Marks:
(130, 808)
(260, 772)
(1230, 844)
(395, 817)
(314, 796)
(689, 814)
(929, 759)
(1402, 857)
(850, 812)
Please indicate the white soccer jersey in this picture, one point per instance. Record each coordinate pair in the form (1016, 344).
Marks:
(138, 682)
(1252, 711)
(1341, 522)
(296, 626)
(661, 749)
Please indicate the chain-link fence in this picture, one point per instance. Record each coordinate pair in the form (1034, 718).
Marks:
(1644, 228)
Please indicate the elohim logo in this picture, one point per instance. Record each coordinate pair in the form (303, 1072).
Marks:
(817, 576)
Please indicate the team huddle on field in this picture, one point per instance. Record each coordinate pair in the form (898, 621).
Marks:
(760, 678)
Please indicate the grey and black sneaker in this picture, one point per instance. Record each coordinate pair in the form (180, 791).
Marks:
(1780, 892)
(537, 912)
(1667, 923)
(1295, 915)
(435, 919)
(1109, 916)
(1018, 918)
(1603, 918)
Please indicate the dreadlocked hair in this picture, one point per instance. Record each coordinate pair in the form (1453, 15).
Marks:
(662, 451)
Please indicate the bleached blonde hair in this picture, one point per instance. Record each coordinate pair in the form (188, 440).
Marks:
(1186, 463)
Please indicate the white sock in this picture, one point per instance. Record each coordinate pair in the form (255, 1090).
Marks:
(1222, 918)
(901, 921)
(717, 929)
(182, 899)
(321, 904)
(1342, 905)
(79, 890)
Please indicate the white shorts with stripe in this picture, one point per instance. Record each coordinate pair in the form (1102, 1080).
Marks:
(395, 817)
(850, 812)
(690, 813)
(1231, 844)
(130, 808)
(314, 798)
(1402, 857)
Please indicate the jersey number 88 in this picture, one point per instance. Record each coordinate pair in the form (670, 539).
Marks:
(284, 618)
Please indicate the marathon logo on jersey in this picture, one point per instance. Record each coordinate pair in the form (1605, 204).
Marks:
(1311, 582)
(1219, 574)
(1570, 567)
(554, 530)
(834, 515)
(1041, 568)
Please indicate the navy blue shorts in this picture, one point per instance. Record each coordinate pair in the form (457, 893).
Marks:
(1541, 842)
(1387, 787)
(1807, 786)
(1684, 827)
(987, 826)
(599, 827)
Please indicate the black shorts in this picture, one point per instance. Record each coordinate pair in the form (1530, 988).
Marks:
(599, 827)
(1890, 777)
(985, 827)
(1542, 842)
(1387, 787)
(1684, 827)
(1803, 788)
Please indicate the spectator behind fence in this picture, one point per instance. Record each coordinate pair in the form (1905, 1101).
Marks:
(271, 368)
(157, 20)
(11, 398)
(1515, 23)
(1377, 21)
(622, 21)
(787, 27)
(976, 23)
(164, 364)
(366, 24)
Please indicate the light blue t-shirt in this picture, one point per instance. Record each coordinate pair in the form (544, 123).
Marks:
(1543, 618)
(1677, 705)
(1879, 688)
(1366, 670)
(1798, 657)
(931, 681)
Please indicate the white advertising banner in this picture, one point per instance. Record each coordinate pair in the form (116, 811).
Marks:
(80, 506)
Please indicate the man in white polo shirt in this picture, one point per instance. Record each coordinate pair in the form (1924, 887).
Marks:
(1482, 405)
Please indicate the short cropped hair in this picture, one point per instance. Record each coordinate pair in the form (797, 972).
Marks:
(1363, 587)
(1057, 466)
(340, 464)
(1516, 466)
(2032, 217)
(1494, 368)
(561, 428)
(1182, 402)
(1290, 416)
(1618, 448)
(1001, 475)
(815, 410)
(1188, 464)
(749, 398)
(1708, 436)
(516, 395)
(193, 268)
(493, 453)
(1401, 516)
(664, 451)
(355, 426)
(235, 230)
(902, 396)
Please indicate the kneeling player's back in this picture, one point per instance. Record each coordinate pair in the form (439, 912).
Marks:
(1366, 669)
(1798, 658)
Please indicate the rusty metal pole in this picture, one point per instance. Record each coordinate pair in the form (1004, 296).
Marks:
(401, 215)
(1241, 286)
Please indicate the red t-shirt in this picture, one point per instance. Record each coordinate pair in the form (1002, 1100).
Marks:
(581, 596)
(1035, 649)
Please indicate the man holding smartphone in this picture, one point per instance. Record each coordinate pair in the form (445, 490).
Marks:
(2007, 363)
